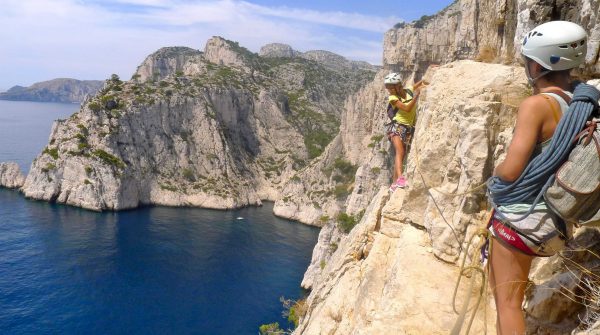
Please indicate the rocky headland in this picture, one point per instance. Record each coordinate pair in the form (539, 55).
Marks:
(64, 90)
(218, 128)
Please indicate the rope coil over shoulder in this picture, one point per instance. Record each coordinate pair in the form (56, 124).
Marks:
(539, 173)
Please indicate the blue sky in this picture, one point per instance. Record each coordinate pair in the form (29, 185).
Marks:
(91, 39)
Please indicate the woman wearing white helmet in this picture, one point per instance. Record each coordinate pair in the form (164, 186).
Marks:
(401, 110)
(550, 51)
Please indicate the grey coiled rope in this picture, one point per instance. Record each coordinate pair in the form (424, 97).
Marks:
(539, 173)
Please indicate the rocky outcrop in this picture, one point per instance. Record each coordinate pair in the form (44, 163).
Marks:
(11, 175)
(380, 282)
(487, 30)
(223, 52)
(166, 62)
(372, 278)
(461, 132)
(220, 129)
(330, 59)
(348, 174)
(278, 50)
(564, 293)
(398, 242)
(334, 60)
(329, 238)
(64, 90)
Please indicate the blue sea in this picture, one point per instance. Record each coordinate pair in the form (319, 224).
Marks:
(154, 270)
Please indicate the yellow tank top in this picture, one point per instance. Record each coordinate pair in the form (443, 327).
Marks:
(407, 118)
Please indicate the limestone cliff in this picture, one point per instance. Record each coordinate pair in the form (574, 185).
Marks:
(166, 62)
(64, 90)
(222, 128)
(487, 30)
(348, 174)
(11, 175)
(398, 242)
(394, 272)
(463, 129)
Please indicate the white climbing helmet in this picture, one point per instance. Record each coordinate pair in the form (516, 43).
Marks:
(556, 45)
(392, 79)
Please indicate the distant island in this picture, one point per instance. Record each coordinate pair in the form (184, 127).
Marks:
(65, 90)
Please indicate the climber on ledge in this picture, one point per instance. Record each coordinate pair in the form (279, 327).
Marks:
(401, 110)
(520, 231)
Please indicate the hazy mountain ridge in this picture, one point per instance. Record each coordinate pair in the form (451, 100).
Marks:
(64, 90)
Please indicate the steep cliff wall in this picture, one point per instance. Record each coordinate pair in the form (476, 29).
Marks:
(222, 128)
(394, 272)
(166, 62)
(487, 30)
(348, 174)
(359, 280)
(388, 257)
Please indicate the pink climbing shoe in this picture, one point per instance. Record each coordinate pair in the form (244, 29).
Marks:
(400, 183)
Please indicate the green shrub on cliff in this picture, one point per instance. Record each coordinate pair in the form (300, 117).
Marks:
(342, 191)
(189, 175)
(346, 222)
(94, 106)
(115, 79)
(109, 159)
(420, 23)
(297, 310)
(52, 152)
(345, 167)
(271, 329)
(49, 167)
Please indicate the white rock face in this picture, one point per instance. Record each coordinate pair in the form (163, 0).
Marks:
(379, 280)
(278, 50)
(223, 129)
(165, 62)
(383, 284)
(169, 153)
(355, 163)
(328, 242)
(464, 125)
(223, 52)
(11, 175)
(489, 30)
(455, 142)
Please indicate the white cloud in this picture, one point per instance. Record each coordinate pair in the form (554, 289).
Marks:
(340, 19)
(46, 39)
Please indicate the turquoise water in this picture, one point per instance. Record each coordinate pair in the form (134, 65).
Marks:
(154, 270)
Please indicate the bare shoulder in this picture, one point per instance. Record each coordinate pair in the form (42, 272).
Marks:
(535, 105)
(535, 102)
